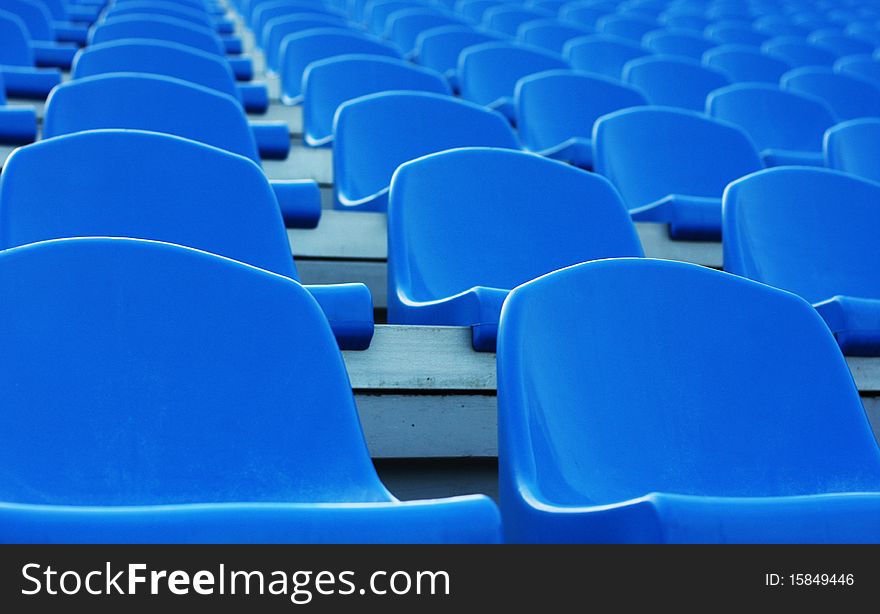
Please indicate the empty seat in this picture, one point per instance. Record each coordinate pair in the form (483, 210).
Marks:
(404, 26)
(787, 127)
(331, 82)
(549, 34)
(742, 63)
(854, 147)
(439, 48)
(711, 431)
(273, 9)
(585, 13)
(377, 133)
(812, 232)
(507, 19)
(18, 61)
(488, 72)
(849, 97)
(671, 166)
(376, 12)
(631, 27)
(300, 50)
(239, 424)
(17, 124)
(279, 28)
(684, 43)
(839, 43)
(866, 32)
(556, 110)
(170, 9)
(798, 52)
(864, 66)
(474, 10)
(684, 21)
(675, 82)
(458, 222)
(602, 54)
(734, 33)
(778, 25)
(38, 22)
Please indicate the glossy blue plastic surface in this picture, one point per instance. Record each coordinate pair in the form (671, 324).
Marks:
(683, 43)
(377, 12)
(404, 26)
(671, 166)
(331, 82)
(854, 147)
(584, 13)
(798, 52)
(849, 97)
(812, 232)
(838, 43)
(550, 34)
(556, 110)
(787, 127)
(602, 54)
(239, 423)
(474, 10)
(488, 72)
(864, 66)
(158, 27)
(606, 438)
(507, 19)
(451, 262)
(377, 133)
(41, 30)
(267, 11)
(169, 9)
(278, 28)
(15, 41)
(742, 63)
(439, 48)
(734, 33)
(673, 81)
(632, 26)
(301, 49)
(174, 190)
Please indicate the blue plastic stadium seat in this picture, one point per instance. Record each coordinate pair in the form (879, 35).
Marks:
(798, 52)
(273, 9)
(331, 82)
(866, 32)
(278, 28)
(787, 127)
(507, 19)
(854, 147)
(585, 13)
(404, 26)
(673, 81)
(458, 222)
(300, 50)
(812, 232)
(377, 12)
(631, 27)
(683, 21)
(119, 100)
(37, 20)
(439, 48)
(550, 34)
(734, 33)
(556, 111)
(548, 5)
(864, 66)
(849, 97)
(18, 125)
(744, 64)
(779, 25)
(488, 72)
(170, 9)
(671, 166)
(377, 133)
(239, 423)
(144, 55)
(737, 422)
(18, 62)
(602, 54)
(473, 10)
(838, 43)
(684, 43)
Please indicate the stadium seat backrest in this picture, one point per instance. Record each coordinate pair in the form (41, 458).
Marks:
(742, 63)
(854, 147)
(150, 102)
(684, 43)
(549, 34)
(15, 42)
(798, 52)
(839, 43)
(583, 13)
(377, 133)
(405, 25)
(864, 66)
(159, 7)
(602, 54)
(651, 152)
(279, 28)
(159, 374)
(849, 97)
(632, 27)
(283, 8)
(158, 27)
(475, 9)
(507, 19)
(807, 230)
(778, 25)
(34, 15)
(734, 33)
(439, 48)
(672, 81)
(496, 218)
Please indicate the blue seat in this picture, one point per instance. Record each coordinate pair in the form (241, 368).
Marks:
(787, 127)
(404, 26)
(488, 72)
(473, 10)
(300, 50)
(65, 29)
(458, 222)
(267, 11)
(812, 232)
(170, 9)
(779, 25)
(18, 125)
(18, 62)
(439, 48)
(734, 33)
(797, 52)
(838, 43)
(673, 81)
(376, 12)
(849, 97)
(866, 32)
(377, 133)
(602, 54)
(744, 64)
(864, 66)
(671, 166)
(279, 28)
(585, 13)
(550, 34)
(239, 423)
(507, 19)
(854, 147)
(631, 27)
(556, 110)
(144, 55)
(604, 437)
(37, 20)
(329, 83)
(684, 43)
(684, 21)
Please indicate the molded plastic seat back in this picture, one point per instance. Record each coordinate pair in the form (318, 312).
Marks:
(840, 44)
(331, 82)
(849, 97)
(158, 7)
(15, 43)
(158, 58)
(602, 54)
(550, 34)
(798, 52)
(439, 48)
(683, 43)
(280, 8)
(405, 26)
(159, 374)
(734, 33)
(160, 28)
(864, 66)
(126, 183)
(377, 133)
(674, 82)
(590, 414)
(649, 153)
(584, 13)
(34, 16)
(743, 64)
(632, 27)
(150, 102)
(854, 147)
(507, 19)
(279, 28)
(810, 231)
